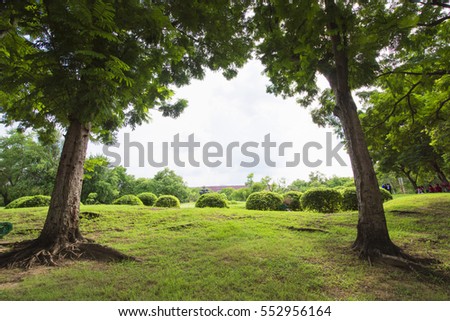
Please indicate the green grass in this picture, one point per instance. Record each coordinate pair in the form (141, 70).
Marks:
(235, 254)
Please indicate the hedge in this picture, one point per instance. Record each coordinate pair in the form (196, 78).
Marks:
(350, 199)
(212, 200)
(385, 195)
(167, 201)
(128, 200)
(149, 199)
(264, 201)
(323, 200)
(30, 201)
(292, 200)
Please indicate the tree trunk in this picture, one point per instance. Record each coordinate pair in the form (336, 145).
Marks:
(440, 174)
(409, 177)
(61, 238)
(62, 223)
(372, 234)
(5, 197)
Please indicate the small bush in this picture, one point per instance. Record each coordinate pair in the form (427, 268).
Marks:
(292, 200)
(167, 201)
(128, 200)
(148, 199)
(212, 200)
(323, 200)
(92, 199)
(385, 195)
(264, 201)
(349, 199)
(30, 201)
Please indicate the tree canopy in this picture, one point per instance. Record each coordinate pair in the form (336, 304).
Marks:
(90, 67)
(108, 62)
(27, 167)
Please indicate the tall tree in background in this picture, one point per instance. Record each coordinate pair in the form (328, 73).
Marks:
(343, 41)
(91, 67)
(27, 167)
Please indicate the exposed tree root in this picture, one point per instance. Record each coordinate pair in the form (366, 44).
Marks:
(394, 256)
(421, 266)
(31, 253)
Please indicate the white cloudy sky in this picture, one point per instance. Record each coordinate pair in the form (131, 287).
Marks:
(224, 111)
(227, 111)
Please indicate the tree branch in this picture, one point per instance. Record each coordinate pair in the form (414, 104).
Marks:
(434, 23)
(436, 3)
(433, 73)
(396, 103)
(14, 24)
(411, 109)
(441, 105)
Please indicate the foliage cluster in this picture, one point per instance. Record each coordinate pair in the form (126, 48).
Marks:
(212, 200)
(27, 166)
(167, 201)
(128, 200)
(149, 199)
(30, 201)
(264, 201)
(350, 199)
(292, 200)
(324, 200)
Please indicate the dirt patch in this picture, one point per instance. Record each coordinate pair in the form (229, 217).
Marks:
(181, 227)
(399, 212)
(89, 215)
(305, 229)
(15, 277)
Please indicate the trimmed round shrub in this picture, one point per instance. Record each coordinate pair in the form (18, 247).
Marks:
(323, 200)
(292, 200)
(385, 195)
(30, 201)
(212, 200)
(147, 198)
(128, 200)
(264, 201)
(349, 199)
(167, 201)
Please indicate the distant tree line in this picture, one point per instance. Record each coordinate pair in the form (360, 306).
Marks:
(28, 167)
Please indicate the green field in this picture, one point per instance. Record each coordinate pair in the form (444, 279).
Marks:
(236, 254)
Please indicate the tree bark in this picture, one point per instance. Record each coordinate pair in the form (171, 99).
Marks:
(372, 234)
(62, 223)
(372, 238)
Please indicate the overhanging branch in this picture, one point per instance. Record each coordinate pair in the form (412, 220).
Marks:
(394, 108)
(434, 23)
(441, 105)
(413, 73)
(435, 3)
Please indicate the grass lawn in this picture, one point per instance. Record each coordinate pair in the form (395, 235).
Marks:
(235, 254)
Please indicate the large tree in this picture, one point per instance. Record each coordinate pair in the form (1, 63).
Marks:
(344, 42)
(90, 67)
